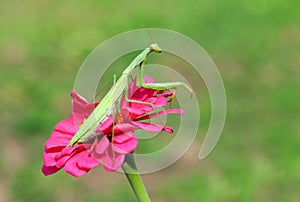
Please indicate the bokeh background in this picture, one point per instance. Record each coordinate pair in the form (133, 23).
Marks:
(256, 46)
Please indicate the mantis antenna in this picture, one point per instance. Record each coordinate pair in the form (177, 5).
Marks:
(151, 36)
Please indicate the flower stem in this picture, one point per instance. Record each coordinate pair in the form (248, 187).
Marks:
(134, 178)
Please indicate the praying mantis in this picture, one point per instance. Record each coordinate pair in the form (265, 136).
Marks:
(105, 108)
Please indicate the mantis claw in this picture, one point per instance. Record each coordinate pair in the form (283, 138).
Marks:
(172, 98)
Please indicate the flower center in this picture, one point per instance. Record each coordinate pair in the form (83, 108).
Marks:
(82, 122)
(119, 118)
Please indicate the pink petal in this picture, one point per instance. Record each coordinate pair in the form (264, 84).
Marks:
(55, 145)
(87, 162)
(51, 145)
(60, 140)
(136, 111)
(112, 160)
(123, 137)
(144, 107)
(71, 166)
(141, 94)
(83, 109)
(150, 127)
(66, 126)
(49, 158)
(68, 150)
(160, 113)
(62, 135)
(151, 99)
(48, 170)
(106, 126)
(78, 118)
(160, 101)
(58, 156)
(115, 164)
(99, 157)
(124, 128)
(78, 98)
(132, 88)
(167, 94)
(102, 145)
(61, 162)
(168, 129)
(81, 105)
(126, 147)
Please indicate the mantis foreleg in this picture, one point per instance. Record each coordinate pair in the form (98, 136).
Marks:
(135, 101)
(140, 82)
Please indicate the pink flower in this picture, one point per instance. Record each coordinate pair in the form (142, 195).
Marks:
(103, 148)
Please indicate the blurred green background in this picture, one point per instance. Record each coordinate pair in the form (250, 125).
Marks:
(256, 46)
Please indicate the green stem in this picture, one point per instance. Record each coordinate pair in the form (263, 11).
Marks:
(134, 178)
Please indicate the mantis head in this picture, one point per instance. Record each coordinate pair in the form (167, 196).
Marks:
(155, 48)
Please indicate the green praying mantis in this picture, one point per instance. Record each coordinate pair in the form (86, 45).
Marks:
(106, 107)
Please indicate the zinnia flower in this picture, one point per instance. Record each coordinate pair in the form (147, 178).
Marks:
(105, 148)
